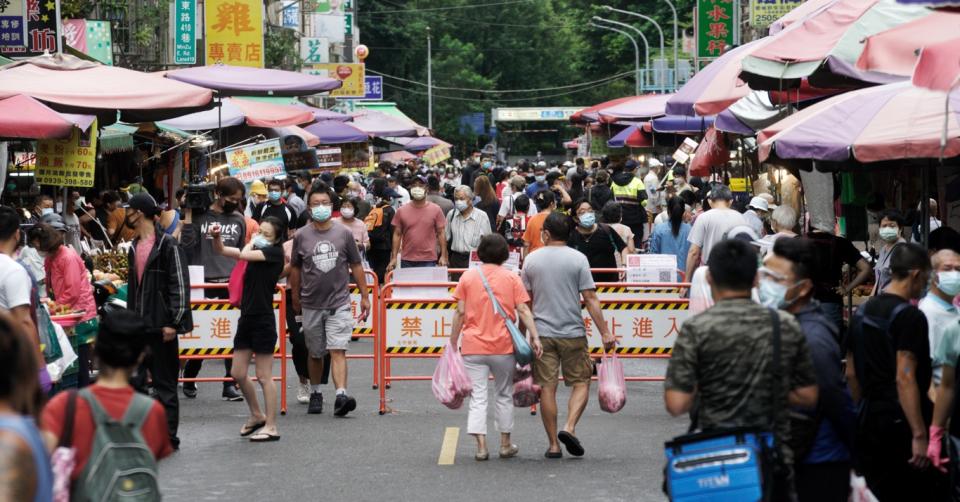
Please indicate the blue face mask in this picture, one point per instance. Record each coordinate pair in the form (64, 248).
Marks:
(321, 213)
(461, 205)
(773, 294)
(540, 178)
(45, 211)
(260, 242)
(949, 282)
(588, 220)
(274, 196)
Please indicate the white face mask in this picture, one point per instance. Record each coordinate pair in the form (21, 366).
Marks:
(346, 212)
(418, 193)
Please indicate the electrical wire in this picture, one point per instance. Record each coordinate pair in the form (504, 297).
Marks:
(452, 7)
(496, 100)
(494, 91)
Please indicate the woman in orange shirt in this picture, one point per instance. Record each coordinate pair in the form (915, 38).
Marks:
(487, 346)
(546, 203)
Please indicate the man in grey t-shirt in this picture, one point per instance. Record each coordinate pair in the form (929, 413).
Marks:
(323, 257)
(556, 276)
(711, 227)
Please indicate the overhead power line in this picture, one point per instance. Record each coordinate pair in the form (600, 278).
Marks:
(505, 91)
(453, 7)
(497, 100)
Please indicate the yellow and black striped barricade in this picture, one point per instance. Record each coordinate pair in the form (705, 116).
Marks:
(641, 290)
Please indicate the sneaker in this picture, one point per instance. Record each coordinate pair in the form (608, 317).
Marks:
(316, 403)
(303, 393)
(230, 393)
(190, 390)
(343, 405)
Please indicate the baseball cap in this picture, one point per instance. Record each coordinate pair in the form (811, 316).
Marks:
(144, 203)
(55, 221)
(759, 203)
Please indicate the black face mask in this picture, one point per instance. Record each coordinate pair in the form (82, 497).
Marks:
(229, 207)
(127, 222)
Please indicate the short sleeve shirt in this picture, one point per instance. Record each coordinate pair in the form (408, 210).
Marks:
(323, 257)
(419, 227)
(711, 227)
(832, 252)
(532, 234)
(484, 331)
(15, 284)
(555, 275)
(260, 282)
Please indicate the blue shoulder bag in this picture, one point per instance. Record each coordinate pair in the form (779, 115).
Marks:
(522, 351)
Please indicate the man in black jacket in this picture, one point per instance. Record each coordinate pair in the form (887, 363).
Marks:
(158, 288)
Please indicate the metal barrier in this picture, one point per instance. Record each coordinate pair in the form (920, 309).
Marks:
(221, 329)
(370, 327)
(645, 328)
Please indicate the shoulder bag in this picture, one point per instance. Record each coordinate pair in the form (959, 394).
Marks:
(521, 349)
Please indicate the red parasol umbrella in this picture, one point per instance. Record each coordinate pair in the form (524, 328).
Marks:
(895, 51)
(24, 117)
(939, 66)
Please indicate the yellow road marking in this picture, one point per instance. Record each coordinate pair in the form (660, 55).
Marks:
(448, 450)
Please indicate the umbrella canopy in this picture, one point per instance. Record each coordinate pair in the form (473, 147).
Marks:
(825, 45)
(715, 87)
(589, 114)
(228, 115)
(895, 51)
(280, 132)
(888, 122)
(236, 111)
(332, 132)
(397, 156)
(932, 3)
(241, 80)
(380, 124)
(938, 67)
(633, 136)
(636, 108)
(682, 124)
(73, 85)
(319, 114)
(419, 144)
(24, 117)
(798, 14)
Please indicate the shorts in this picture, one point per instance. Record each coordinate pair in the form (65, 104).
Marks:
(571, 355)
(256, 332)
(327, 329)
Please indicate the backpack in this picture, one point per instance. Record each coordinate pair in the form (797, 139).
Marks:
(120, 466)
(380, 226)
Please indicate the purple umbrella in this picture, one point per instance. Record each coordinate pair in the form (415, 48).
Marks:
(419, 144)
(319, 114)
(639, 108)
(243, 81)
(729, 123)
(715, 87)
(332, 132)
(682, 124)
(228, 115)
(380, 124)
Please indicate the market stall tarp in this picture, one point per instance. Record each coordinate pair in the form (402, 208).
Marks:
(228, 115)
(71, 85)
(895, 51)
(236, 111)
(715, 87)
(24, 117)
(589, 114)
(390, 110)
(308, 138)
(682, 124)
(333, 132)
(240, 80)
(637, 108)
(755, 111)
(116, 138)
(938, 67)
(798, 14)
(419, 144)
(397, 156)
(888, 122)
(634, 136)
(320, 114)
(381, 125)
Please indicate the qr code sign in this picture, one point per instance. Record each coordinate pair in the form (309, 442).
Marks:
(666, 275)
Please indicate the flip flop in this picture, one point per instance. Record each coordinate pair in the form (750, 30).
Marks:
(553, 454)
(572, 443)
(250, 429)
(264, 437)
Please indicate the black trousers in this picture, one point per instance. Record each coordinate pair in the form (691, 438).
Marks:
(825, 482)
(192, 368)
(163, 364)
(459, 260)
(884, 448)
(379, 259)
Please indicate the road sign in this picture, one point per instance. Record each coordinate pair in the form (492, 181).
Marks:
(184, 37)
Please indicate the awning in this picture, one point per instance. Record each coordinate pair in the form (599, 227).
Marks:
(680, 124)
(637, 108)
(419, 144)
(333, 132)
(309, 139)
(633, 136)
(24, 117)
(242, 81)
(116, 138)
(380, 124)
(236, 111)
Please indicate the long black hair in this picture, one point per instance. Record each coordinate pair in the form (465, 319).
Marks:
(675, 209)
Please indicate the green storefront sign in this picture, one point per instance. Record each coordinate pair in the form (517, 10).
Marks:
(715, 27)
(184, 32)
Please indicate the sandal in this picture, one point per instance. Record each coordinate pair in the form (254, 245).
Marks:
(509, 451)
(246, 430)
(264, 437)
(572, 443)
(553, 454)
(482, 455)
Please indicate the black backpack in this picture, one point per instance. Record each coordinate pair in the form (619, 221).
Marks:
(380, 226)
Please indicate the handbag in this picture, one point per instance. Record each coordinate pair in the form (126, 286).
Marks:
(64, 457)
(522, 351)
(741, 463)
(235, 286)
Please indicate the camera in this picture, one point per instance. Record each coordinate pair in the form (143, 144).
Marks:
(198, 195)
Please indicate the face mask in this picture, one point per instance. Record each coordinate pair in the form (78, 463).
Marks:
(355, 194)
(77, 204)
(949, 282)
(274, 196)
(588, 220)
(346, 213)
(418, 193)
(450, 176)
(131, 224)
(229, 207)
(889, 234)
(321, 213)
(461, 205)
(45, 211)
(772, 293)
(260, 242)
(540, 178)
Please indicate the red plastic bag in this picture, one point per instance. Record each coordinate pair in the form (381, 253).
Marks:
(525, 392)
(451, 383)
(235, 286)
(613, 386)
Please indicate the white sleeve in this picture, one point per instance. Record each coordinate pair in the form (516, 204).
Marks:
(15, 287)
(505, 206)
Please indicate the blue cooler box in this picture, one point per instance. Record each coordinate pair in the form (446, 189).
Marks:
(728, 465)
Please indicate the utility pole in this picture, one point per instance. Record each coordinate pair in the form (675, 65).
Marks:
(429, 84)
(638, 86)
(656, 25)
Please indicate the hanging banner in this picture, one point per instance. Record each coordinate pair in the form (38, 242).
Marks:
(68, 162)
(715, 27)
(43, 30)
(13, 23)
(254, 162)
(234, 32)
(765, 12)
(90, 37)
(184, 35)
(436, 155)
(351, 74)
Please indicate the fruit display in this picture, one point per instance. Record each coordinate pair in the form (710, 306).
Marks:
(110, 265)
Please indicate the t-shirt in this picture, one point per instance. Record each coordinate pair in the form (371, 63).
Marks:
(283, 212)
(908, 333)
(730, 364)
(233, 233)
(144, 245)
(359, 229)
(832, 252)
(419, 227)
(484, 331)
(323, 256)
(115, 403)
(15, 284)
(947, 353)
(532, 234)
(601, 249)
(711, 228)
(555, 276)
(260, 282)
(939, 314)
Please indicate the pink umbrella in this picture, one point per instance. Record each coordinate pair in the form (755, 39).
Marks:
(939, 66)
(260, 114)
(243, 81)
(637, 108)
(895, 51)
(25, 117)
(397, 156)
(589, 114)
(798, 14)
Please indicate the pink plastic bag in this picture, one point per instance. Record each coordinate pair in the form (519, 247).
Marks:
(451, 383)
(525, 392)
(235, 286)
(613, 387)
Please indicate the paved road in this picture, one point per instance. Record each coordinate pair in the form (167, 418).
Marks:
(368, 457)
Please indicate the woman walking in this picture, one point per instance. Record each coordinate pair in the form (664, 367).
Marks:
(670, 237)
(487, 347)
(257, 328)
(598, 242)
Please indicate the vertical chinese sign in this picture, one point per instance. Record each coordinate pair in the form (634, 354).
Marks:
(234, 32)
(43, 30)
(184, 36)
(13, 22)
(68, 162)
(715, 27)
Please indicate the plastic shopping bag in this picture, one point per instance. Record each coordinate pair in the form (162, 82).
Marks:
(859, 491)
(613, 387)
(235, 286)
(525, 392)
(57, 368)
(451, 383)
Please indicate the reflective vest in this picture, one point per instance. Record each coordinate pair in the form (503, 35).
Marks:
(628, 194)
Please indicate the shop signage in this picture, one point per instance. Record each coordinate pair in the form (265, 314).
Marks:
(68, 162)
(184, 37)
(314, 50)
(330, 158)
(373, 88)
(715, 27)
(534, 114)
(436, 155)
(765, 12)
(291, 16)
(234, 32)
(43, 30)
(351, 74)
(90, 37)
(301, 160)
(13, 23)
(738, 184)
(257, 161)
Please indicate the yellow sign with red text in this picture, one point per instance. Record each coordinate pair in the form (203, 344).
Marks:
(234, 32)
(351, 74)
(68, 162)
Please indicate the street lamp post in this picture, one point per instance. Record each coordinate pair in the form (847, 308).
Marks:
(429, 84)
(636, 54)
(646, 46)
(655, 24)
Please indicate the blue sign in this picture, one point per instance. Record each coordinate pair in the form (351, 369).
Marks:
(472, 123)
(373, 88)
(291, 16)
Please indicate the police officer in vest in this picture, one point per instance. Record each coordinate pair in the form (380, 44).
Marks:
(631, 193)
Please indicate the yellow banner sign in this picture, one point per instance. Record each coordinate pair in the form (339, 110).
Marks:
(436, 155)
(738, 184)
(234, 32)
(68, 162)
(351, 74)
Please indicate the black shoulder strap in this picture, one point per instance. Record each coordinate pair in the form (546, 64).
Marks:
(777, 370)
(66, 437)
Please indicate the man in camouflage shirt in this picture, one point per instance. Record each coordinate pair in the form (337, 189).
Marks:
(724, 356)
